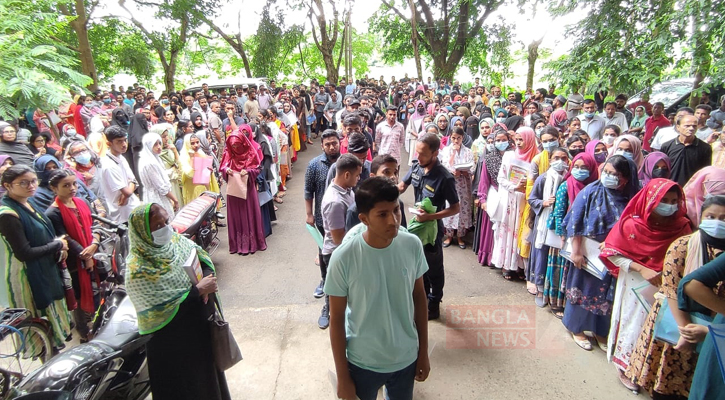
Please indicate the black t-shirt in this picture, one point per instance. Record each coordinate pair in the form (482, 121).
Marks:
(438, 184)
(686, 160)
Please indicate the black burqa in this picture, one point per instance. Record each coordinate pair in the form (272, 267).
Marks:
(119, 118)
(139, 127)
(514, 122)
(265, 191)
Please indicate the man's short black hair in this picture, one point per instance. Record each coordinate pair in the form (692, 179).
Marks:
(588, 101)
(375, 190)
(431, 140)
(621, 96)
(381, 159)
(352, 119)
(610, 103)
(115, 132)
(705, 107)
(357, 142)
(391, 107)
(347, 162)
(328, 133)
(543, 91)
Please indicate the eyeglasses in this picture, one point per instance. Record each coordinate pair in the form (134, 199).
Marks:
(26, 184)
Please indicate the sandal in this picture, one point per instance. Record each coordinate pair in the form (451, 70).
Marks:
(539, 301)
(627, 382)
(446, 242)
(509, 276)
(558, 313)
(278, 200)
(531, 288)
(521, 274)
(583, 343)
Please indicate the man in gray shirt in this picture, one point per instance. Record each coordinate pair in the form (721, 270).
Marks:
(321, 99)
(331, 108)
(337, 199)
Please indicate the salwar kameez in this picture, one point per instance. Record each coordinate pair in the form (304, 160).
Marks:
(244, 218)
(505, 250)
(462, 221)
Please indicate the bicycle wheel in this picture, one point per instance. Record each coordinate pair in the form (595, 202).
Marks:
(26, 350)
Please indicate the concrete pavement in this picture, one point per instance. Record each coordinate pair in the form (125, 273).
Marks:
(268, 302)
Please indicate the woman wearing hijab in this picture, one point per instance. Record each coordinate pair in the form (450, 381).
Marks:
(637, 124)
(478, 147)
(174, 308)
(264, 189)
(656, 366)
(515, 166)
(458, 159)
(190, 151)
(170, 159)
(5, 162)
(31, 250)
(514, 122)
(415, 125)
(541, 199)
(598, 150)
(10, 146)
(488, 184)
(549, 138)
(443, 123)
(634, 253)
(558, 120)
(136, 130)
(472, 131)
(709, 181)
(595, 211)
(241, 163)
(630, 147)
(152, 174)
(44, 196)
(500, 115)
(656, 165)
(583, 170)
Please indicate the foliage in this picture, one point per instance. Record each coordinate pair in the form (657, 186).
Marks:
(306, 62)
(119, 47)
(500, 57)
(626, 46)
(37, 72)
(450, 32)
(274, 42)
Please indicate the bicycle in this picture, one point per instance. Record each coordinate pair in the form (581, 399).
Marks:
(25, 344)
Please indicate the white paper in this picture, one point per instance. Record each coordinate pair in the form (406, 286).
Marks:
(590, 251)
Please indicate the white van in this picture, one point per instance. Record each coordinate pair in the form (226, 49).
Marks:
(215, 85)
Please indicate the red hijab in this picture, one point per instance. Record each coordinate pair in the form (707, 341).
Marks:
(636, 238)
(573, 186)
(245, 156)
(79, 229)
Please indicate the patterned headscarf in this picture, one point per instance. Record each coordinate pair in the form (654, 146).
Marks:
(157, 282)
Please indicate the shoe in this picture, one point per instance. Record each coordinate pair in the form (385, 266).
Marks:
(220, 215)
(324, 321)
(584, 344)
(434, 310)
(319, 293)
(447, 243)
(627, 382)
(462, 246)
(540, 302)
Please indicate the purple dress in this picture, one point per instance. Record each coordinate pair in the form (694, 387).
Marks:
(244, 220)
(484, 226)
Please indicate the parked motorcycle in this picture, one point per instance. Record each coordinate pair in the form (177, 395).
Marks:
(199, 221)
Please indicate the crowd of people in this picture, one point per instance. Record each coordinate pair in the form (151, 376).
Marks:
(600, 207)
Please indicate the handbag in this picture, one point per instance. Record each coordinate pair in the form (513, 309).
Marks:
(225, 348)
(666, 327)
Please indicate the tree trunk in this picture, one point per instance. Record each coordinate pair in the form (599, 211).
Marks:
(88, 66)
(170, 74)
(444, 70)
(330, 67)
(532, 56)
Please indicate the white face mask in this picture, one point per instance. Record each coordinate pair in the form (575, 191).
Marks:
(162, 236)
(608, 140)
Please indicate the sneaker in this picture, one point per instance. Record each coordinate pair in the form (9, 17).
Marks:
(324, 321)
(319, 290)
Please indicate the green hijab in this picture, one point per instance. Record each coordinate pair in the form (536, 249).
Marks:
(157, 282)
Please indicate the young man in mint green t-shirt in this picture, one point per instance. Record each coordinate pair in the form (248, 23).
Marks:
(378, 310)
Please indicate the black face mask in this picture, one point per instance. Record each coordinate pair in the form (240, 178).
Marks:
(574, 152)
(661, 173)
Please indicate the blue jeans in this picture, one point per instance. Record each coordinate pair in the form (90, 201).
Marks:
(399, 385)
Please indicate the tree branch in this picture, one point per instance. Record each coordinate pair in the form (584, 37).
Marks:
(159, 49)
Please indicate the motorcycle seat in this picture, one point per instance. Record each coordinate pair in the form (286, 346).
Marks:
(121, 329)
(192, 215)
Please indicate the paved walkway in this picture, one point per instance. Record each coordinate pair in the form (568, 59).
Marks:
(268, 302)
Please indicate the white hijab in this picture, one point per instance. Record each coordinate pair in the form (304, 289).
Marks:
(150, 162)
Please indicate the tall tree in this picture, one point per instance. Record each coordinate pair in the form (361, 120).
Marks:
(274, 41)
(170, 42)
(38, 71)
(531, 57)
(623, 46)
(234, 40)
(79, 14)
(445, 29)
(326, 32)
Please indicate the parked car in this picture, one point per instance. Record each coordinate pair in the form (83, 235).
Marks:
(215, 85)
(675, 94)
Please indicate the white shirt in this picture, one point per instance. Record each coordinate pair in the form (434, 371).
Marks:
(116, 175)
(663, 136)
(704, 133)
(617, 119)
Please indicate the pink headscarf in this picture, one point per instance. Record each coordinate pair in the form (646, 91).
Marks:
(432, 109)
(557, 119)
(530, 150)
(415, 115)
(707, 181)
(636, 144)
